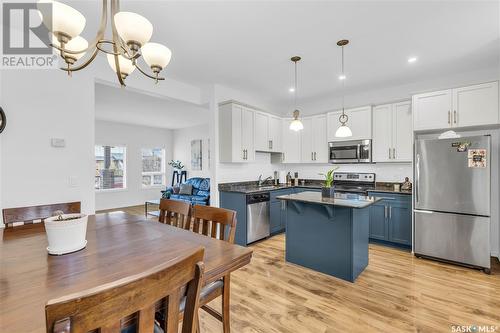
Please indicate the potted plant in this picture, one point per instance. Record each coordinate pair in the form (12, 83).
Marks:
(328, 191)
(177, 165)
(66, 232)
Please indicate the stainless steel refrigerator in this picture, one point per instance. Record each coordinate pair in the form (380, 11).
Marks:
(452, 200)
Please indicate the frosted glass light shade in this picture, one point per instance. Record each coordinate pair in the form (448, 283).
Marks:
(75, 44)
(126, 66)
(156, 54)
(133, 27)
(296, 125)
(343, 132)
(65, 19)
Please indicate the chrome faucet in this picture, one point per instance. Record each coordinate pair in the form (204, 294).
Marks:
(261, 182)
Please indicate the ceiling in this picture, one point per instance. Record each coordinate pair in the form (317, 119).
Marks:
(247, 44)
(134, 107)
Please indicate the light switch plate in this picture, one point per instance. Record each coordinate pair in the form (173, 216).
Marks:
(58, 143)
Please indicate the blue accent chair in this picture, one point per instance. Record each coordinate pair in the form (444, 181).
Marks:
(199, 196)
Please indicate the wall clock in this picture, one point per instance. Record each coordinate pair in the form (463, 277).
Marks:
(3, 120)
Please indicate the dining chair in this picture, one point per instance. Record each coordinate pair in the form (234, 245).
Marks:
(19, 216)
(217, 223)
(102, 308)
(174, 212)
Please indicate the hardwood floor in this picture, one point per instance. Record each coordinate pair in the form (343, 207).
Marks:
(396, 293)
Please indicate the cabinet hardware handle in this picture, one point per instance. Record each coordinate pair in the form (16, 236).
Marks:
(389, 153)
(393, 153)
(455, 116)
(315, 156)
(449, 117)
(282, 157)
(312, 156)
(246, 154)
(271, 144)
(390, 212)
(385, 212)
(243, 152)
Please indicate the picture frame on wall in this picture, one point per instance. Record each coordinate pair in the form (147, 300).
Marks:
(196, 155)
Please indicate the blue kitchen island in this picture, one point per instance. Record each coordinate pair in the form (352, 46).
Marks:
(329, 235)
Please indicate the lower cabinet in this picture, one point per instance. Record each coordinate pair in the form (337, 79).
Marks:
(390, 219)
(276, 217)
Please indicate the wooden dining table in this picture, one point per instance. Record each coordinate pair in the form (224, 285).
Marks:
(119, 245)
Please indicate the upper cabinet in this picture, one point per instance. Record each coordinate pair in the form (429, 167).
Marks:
(392, 132)
(291, 143)
(461, 107)
(360, 123)
(236, 133)
(314, 142)
(267, 132)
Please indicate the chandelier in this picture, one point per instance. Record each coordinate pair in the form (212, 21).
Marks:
(130, 40)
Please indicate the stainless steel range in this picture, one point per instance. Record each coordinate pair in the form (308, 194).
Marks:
(352, 182)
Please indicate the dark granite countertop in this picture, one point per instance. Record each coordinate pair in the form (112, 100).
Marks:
(387, 187)
(252, 187)
(340, 199)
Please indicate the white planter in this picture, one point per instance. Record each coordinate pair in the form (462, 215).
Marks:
(66, 236)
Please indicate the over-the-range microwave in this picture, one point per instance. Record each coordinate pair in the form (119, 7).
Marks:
(355, 151)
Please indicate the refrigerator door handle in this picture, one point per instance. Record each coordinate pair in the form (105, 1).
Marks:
(423, 211)
(417, 183)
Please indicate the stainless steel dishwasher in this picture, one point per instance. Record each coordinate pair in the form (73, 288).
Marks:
(257, 216)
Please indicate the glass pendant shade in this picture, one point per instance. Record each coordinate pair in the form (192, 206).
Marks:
(156, 55)
(133, 27)
(65, 19)
(75, 44)
(126, 66)
(343, 131)
(296, 125)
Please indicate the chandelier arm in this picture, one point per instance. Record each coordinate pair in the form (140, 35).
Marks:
(82, 66)
(148, 75)
(115, 7)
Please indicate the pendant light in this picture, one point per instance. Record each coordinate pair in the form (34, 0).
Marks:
(296, 125)
(343, 131)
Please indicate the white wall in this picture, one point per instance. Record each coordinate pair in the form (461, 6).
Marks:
(40, 105)
(182, 149)
(134, 138)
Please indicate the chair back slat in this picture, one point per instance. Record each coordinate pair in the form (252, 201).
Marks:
(26, 215)
(103, 307)
(174, 212)
(215, 222)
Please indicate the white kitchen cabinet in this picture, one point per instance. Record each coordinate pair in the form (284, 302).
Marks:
(432, 110)
(314, 143)
(267, 132)
(320, 140)
(236, 133)
(261, 130)
(274, 133)
(475, 105)
(291, 143)
(392, 133)
(402, 134)
(382, 133)
(360, 123)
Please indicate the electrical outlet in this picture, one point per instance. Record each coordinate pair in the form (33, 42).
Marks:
(73, 181)
(58, 143)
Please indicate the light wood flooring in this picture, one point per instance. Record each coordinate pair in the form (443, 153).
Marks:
(396, 293)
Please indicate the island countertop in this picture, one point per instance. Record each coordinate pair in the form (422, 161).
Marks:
(340, 199)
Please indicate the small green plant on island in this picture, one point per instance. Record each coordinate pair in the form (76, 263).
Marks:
(329, 177)
(176, 164)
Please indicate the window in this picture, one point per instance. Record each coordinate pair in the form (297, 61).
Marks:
(110, 167)
(153, 167)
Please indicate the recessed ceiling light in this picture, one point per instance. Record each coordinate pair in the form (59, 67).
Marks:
(342, 77)
(412, 59)
(292, 89)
